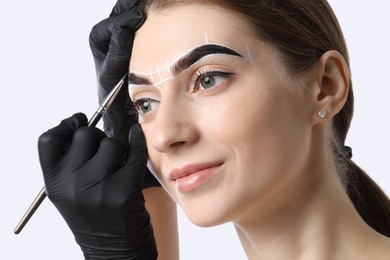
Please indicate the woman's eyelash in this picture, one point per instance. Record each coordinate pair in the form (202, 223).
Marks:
(201, 80)
(130, 108)
(208, 73)
(144, 105)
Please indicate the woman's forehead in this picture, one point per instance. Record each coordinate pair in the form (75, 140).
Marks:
(167, 36)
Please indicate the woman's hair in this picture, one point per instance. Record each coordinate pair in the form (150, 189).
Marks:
(302, 31)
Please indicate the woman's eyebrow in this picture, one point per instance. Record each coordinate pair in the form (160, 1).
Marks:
(187, 60)
(133, 79)
(200, 52)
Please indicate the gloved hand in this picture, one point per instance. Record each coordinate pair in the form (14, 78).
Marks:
(111, 42)
(96, 184)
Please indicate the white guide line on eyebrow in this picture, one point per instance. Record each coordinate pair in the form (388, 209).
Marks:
(170, 65)
(150, 74)
(159, 72)
(169, 70)
(200, 45)
(249, 54)
(157, 83)
(162, 81)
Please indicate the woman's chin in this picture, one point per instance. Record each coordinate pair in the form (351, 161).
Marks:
(205, 219)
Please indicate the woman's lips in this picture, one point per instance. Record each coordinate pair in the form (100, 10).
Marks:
(193, 176)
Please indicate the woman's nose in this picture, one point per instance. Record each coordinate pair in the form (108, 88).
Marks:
(174, 126)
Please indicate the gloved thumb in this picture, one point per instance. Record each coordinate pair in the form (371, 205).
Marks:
(137, 157)
(137, 143)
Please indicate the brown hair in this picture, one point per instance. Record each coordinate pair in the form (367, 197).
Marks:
(301, 31)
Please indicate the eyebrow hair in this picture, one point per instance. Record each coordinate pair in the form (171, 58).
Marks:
(133, 79)
(200, 52)
(187, 60)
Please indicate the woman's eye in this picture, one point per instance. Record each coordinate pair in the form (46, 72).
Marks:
(210, 79)
(145, 105)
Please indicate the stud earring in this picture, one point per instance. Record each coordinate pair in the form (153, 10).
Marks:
(322, 113)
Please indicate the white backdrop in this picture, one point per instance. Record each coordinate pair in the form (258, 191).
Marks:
(47, 73)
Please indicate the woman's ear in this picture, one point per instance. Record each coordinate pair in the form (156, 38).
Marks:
(331, 86)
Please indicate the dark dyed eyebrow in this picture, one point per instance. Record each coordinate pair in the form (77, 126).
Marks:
(187, 60)
(200, 52)
(137, 80)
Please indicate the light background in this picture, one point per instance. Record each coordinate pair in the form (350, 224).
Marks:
(47, 73)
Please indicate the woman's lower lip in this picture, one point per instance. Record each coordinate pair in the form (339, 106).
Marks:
(193, 181)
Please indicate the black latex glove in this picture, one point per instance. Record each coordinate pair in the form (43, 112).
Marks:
(96, 184)
(111, 42)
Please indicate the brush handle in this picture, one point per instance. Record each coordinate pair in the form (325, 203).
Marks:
(31, 210)
(92, 122)
(42, 194)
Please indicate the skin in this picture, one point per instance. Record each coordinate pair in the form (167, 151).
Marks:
(273, 174)
(163, 216)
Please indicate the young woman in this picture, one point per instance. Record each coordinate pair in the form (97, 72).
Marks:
(245, 107)
(245, 120)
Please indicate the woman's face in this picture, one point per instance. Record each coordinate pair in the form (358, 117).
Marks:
(225, 130)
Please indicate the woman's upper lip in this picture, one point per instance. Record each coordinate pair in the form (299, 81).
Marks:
(191, 168)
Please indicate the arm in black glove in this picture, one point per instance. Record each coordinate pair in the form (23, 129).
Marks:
(111, 42)
(96, 184)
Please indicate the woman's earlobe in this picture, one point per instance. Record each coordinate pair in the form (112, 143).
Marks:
(332, 75)
(322, 113)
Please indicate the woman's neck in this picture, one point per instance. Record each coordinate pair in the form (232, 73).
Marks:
(316, 221)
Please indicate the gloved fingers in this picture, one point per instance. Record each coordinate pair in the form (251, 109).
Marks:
(108, 159)
(53, 144)
(122, 6)
(118, 54)
(118, 119)
(115, 65)
(131, 19)
(150, 180)
(116, 62)
(122, 37)
(99, 40)
(134, 169)
(137, 143)
(84, 146)
(100, 35)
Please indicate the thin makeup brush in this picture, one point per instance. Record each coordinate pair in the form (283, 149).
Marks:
(92, 122)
